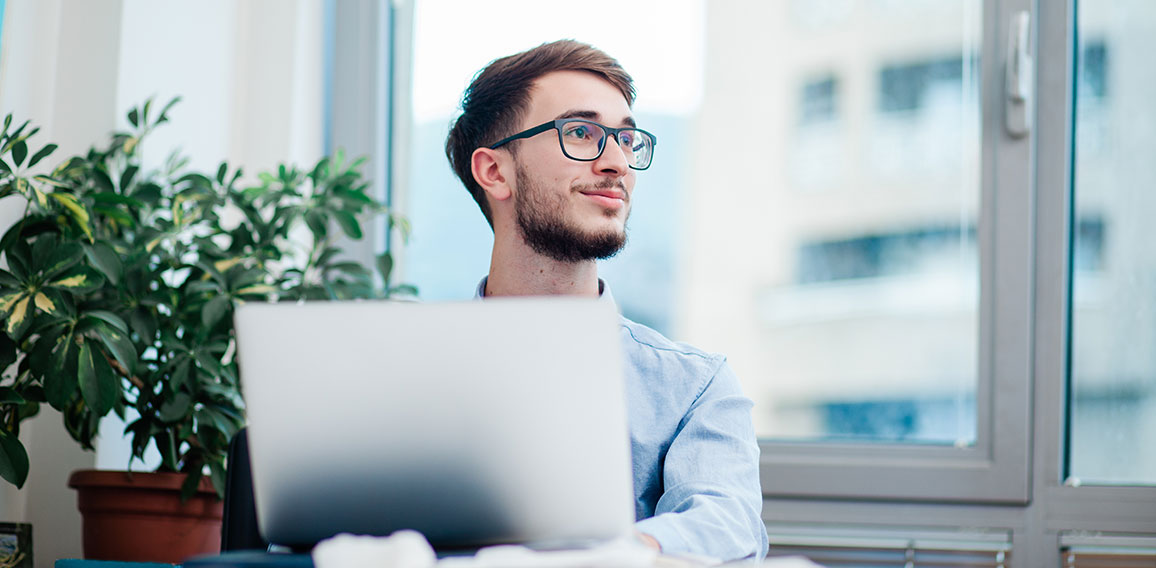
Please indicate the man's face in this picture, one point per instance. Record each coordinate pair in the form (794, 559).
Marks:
(566, 209)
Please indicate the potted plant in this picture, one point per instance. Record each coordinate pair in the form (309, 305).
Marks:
(121, 281)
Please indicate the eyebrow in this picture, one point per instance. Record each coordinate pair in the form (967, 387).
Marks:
(591, 115)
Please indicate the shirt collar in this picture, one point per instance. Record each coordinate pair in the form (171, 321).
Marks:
(604, 294)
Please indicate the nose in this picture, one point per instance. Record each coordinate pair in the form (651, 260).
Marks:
(613, 158)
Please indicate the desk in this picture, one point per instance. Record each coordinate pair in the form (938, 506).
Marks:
(302, 561)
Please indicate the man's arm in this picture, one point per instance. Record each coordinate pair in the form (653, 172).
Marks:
(712, 502)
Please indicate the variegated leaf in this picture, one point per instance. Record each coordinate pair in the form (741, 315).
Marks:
(44, 304)
(78, 279)
(18, 316)
(78, 212)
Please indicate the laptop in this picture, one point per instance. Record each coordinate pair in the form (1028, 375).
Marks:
(474, 423)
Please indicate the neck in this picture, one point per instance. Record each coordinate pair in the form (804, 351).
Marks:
(518, 270)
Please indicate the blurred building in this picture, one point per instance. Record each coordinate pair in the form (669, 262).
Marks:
(832, 242)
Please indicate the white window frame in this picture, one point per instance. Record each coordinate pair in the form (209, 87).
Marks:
(995, 469)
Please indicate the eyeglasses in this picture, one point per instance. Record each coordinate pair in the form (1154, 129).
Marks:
(584, 140)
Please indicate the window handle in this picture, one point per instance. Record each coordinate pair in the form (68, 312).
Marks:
(1018, 99)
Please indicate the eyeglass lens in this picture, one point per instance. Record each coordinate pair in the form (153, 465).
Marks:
(583, 140)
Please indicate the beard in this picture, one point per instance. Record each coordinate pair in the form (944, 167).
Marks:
(541, 217)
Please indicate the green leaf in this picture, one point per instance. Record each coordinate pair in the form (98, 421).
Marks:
(33, 394)
(318, 224)
(353, 196)
(49, 180)
(180, 376)
(209, 363)
(189, 487)
(41, 357)
(13, 459)
(117, 199)
(19, 256)
(7, 279)
(321, 171)
(221, 171)
(126, 177)
(4, 166)
(76, 210)
(144, 324)
(19, 152)
(385, 266)
(176, 407)
(100, 177)
(351, 268)
(7, 351)
(145, 115)
(110, 318)
(98, 384)
(19, 314)
(348, 224)
(208, 416)
(357, 163)
(101, 255)
(118, 343)
(134, 117)
(14, 136)
(114, 214)
(217, 476)
(43, 153)
(60, 384)
(8, 395)
(167, 447)
(78, 279)
(147, 193)
(214, 310)
(403, 290)
(59, 257)
(163, 116)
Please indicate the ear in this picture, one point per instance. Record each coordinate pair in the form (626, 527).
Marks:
(488, 166)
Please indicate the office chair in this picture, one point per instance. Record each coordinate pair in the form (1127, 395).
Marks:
(239, 529)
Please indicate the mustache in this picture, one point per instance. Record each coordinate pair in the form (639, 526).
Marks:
(604, 184)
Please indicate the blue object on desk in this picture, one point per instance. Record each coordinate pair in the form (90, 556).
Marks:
(80, 563)
(244, 559)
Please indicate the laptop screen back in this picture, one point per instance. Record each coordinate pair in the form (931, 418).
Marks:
(473, 423)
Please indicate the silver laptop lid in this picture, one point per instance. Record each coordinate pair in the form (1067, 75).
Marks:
(474, 423)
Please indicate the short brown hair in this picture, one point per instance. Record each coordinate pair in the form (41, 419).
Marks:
(493, 104)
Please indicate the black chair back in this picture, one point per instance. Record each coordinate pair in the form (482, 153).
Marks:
(239, 529)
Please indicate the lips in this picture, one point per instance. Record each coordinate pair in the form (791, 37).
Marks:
(607, 193)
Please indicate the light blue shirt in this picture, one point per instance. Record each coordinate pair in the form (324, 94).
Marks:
(696, 460)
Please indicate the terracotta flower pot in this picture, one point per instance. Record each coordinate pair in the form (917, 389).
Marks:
(139, 517)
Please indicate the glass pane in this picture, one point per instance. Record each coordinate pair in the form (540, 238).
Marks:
(1113, 362)
(811, 210)
(833, 255)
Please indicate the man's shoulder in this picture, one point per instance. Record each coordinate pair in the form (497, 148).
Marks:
(640, 338)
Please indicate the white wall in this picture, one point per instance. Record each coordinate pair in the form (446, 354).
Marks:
(250, 77)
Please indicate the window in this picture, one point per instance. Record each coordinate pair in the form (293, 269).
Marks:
(1113, 311)
(908, 87)
(943, 324)
(820, 101)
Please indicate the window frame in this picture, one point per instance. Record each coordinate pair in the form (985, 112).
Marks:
(995, 469)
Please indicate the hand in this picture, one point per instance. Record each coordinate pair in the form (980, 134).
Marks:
(648, 540)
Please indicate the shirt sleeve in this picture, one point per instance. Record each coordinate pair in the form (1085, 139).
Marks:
(712, 501)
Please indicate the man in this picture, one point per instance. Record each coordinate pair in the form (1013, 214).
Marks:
(549, 149)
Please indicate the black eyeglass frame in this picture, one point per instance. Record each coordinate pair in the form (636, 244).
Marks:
(557, 126)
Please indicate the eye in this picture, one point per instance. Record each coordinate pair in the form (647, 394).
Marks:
(578, 131)
(627, 138)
